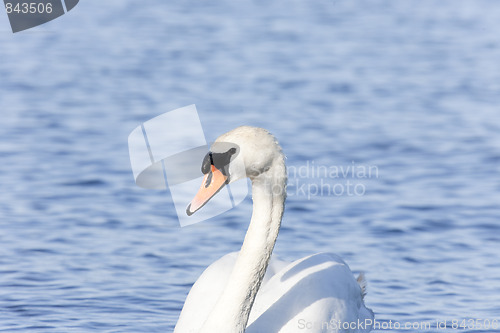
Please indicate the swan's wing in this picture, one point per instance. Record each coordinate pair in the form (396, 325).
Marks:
(204, 293)
(208, 288)
(313, 294)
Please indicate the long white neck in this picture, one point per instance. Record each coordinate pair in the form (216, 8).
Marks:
(231, 312)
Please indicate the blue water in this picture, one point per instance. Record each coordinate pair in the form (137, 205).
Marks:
(411, 88)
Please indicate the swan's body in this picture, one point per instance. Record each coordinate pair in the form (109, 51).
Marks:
(250, 292)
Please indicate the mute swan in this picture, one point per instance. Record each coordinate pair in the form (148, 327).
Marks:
(235, 294)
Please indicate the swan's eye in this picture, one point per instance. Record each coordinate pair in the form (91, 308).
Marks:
(222, 160)
(219, 160)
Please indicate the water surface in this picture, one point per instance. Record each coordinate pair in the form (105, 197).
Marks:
(411, 88)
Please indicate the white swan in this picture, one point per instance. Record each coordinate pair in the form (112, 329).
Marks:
(235, 294)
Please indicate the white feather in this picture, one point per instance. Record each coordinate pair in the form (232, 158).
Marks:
(250, 292)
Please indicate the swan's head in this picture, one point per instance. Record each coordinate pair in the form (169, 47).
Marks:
(243, 152)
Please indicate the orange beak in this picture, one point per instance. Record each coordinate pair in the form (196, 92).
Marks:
(211, 185)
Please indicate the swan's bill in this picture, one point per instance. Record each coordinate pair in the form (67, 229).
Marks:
(211, 185)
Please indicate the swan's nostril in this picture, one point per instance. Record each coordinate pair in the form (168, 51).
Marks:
(209, 179)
